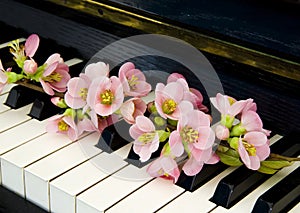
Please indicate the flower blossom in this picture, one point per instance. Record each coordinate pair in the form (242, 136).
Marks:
(105, 95)
(132, 108)
(191, 94)
(195, 135)
(168, 98)
(77, 87)
(55, 76)
(164, 166)
(64, 125)
(133, 81)
(253, 148)
(228, 107)
(146, 140)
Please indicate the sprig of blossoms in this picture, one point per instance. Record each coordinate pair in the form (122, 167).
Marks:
(95, 100)
(53, 74)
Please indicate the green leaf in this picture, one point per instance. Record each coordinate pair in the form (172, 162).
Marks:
(13, 77)
(276, 164)
(267, 170)
(163, 135)
(229, 158)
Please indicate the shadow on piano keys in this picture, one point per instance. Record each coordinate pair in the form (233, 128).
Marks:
(52, 172)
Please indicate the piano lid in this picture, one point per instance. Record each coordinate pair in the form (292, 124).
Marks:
(264, 34)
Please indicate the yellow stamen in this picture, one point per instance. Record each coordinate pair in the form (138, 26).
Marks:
(189, 135)
(63, 126)
(146, 137)
(53, 77)
(107, 97)
(133, 82)
(231, 100)
(250, 148)
(169, 106)
(83, 93)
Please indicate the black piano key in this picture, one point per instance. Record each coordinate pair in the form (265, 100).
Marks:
(114, 137)
(191, 183)
(281, 197)
(20, 96)
(43, 108)
(242, 181)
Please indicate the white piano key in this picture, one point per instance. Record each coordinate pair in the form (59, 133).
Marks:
(248, 202)
(73, 61)
(14, 117)
(200, 197)
(3, 107)
(111, 190)
(295, 209)
(7, 88)
(63, 190)
(38, 175)
(14, 162)
(149, 198)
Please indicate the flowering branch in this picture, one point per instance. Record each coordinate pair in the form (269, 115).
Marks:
(178, 119)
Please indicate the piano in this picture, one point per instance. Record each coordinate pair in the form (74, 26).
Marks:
(253, 46)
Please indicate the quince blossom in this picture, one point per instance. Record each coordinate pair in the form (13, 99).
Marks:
(195, 136)
(132, 108)
(253, 148)
(146, 140)
(164, 166)
(55, 76)
(133, 81)
(105, 95)
(64, 125)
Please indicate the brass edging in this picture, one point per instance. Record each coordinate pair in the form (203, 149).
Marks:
(270, 63)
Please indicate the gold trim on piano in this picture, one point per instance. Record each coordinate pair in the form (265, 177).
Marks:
(270, 63)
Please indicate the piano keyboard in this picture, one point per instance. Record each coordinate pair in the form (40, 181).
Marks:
(60, 175)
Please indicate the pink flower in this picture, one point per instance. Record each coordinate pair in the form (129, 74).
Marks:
(250, 106)
(191, 94)
(76, 94)
(31, 45)
(174, 77)
(85, 124)
(95, 70)
(253, 148)
(226, 105)
(101, 122)
(105, 95)
(55, 76)
(3, 77)
(164, 166)
(30, 66)
(146, 140)
(167, 99)
(133, 81)
(64, 125)
(251, 121)
(133, 108)
(194, 131)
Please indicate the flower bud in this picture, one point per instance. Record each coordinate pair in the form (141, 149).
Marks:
(30, 67)
(237, 130)
(234, 142)
(222, 132)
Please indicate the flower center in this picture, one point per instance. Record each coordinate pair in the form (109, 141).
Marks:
(133, 81)
(83, 93)
(250, 148)
(53, 77)
(169, 106)
(189, 135)
(107, 97)
(231, 100)
(63, 126)
(146, 137)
